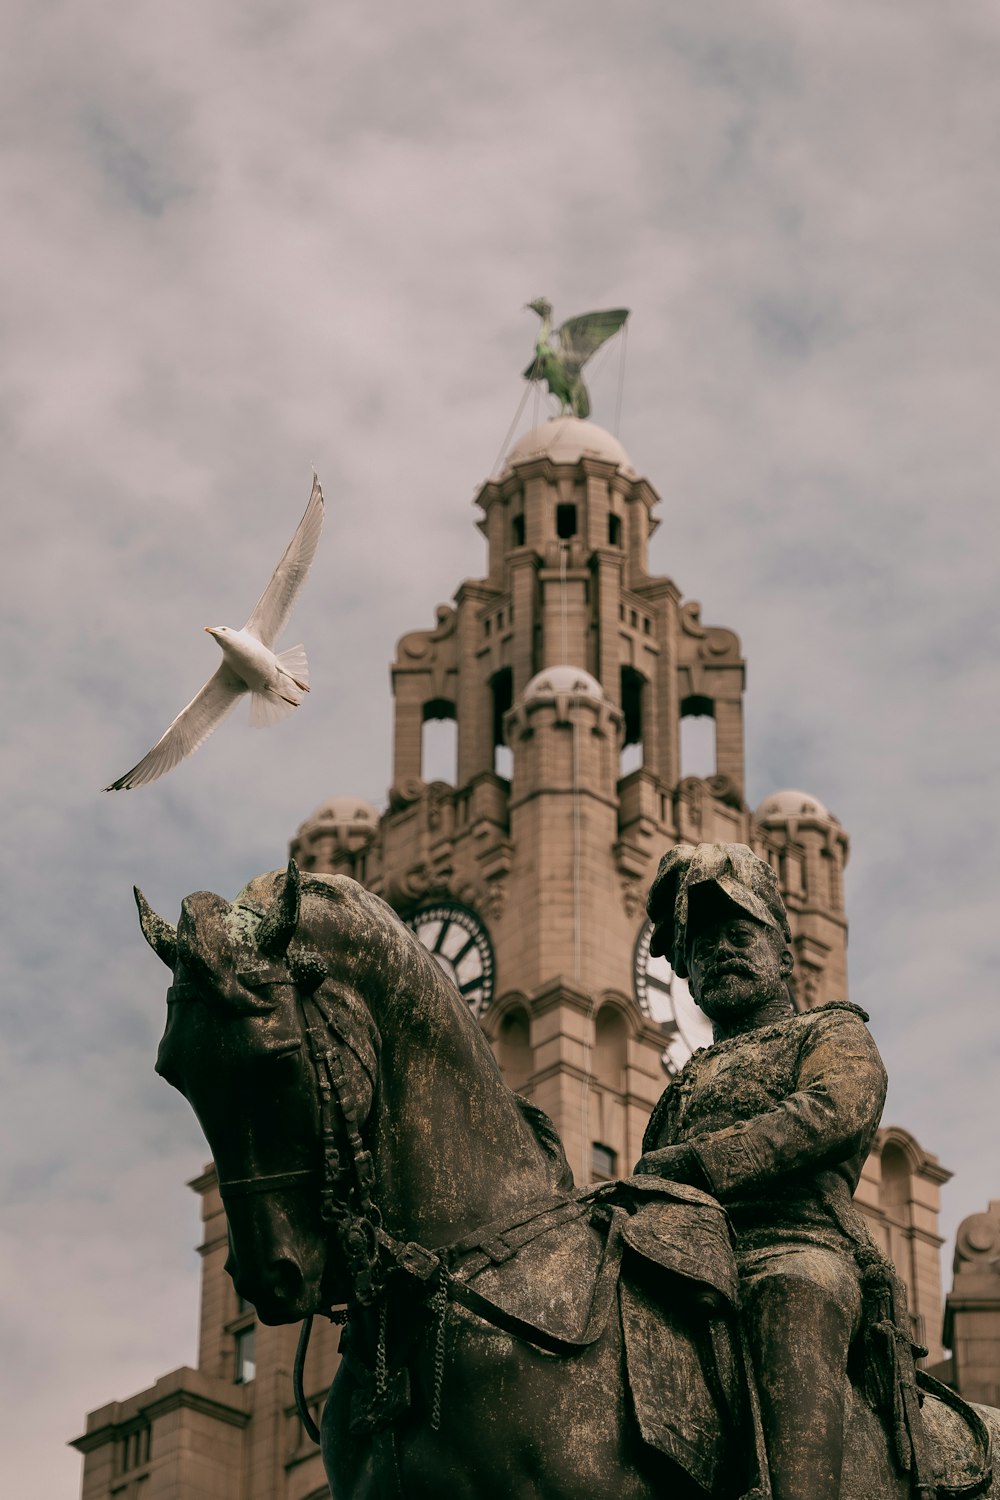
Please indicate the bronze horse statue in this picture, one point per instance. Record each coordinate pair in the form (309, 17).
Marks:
(508, 1335)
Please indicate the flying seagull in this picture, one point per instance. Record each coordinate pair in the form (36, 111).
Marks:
(560, 358)
(275, 683)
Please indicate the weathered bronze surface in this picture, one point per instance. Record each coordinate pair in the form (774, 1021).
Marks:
(509, 1335)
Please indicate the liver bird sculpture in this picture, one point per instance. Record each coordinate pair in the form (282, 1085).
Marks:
(560, 356)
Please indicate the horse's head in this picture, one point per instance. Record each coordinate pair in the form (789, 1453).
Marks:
(251, 995)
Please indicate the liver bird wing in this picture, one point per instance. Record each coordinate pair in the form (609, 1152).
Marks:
(582, 336)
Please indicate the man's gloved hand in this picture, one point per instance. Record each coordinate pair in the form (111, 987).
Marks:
(675, 1163)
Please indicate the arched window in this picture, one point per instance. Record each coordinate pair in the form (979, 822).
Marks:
(603, 1162)
(698, 737)
(502, 691)
(565, 521)
(610, 1047)
(633, 689)
(246, 1359)
(439, 742)
(897, 1185)
(514, 1048)
(517, 530)
(614, 530)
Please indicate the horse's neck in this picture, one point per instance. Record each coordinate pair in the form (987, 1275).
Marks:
(453, 1150)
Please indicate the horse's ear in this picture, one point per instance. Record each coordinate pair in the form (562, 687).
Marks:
(278, 925)
(160, 936)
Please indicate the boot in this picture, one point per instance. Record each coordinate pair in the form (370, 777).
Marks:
(799, 1337)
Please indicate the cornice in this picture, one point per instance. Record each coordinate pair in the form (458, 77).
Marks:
(180, 1393)
(564, 992)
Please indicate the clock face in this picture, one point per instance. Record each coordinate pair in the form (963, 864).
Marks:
(666, 999)
(457, 939)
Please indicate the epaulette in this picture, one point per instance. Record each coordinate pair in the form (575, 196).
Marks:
(848, 1005)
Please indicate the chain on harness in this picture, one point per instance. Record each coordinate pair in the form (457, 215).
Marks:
(371, 1252)
(348, 1209)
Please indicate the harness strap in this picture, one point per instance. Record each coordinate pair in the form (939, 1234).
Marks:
(501, 1241)
(533, 1333)
(242, 1187)
(424, 1265)
(500, 1229)
(491, 1245)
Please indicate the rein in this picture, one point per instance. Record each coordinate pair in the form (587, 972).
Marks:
(242, 1187)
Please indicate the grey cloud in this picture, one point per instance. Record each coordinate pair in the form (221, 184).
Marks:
(145, 182)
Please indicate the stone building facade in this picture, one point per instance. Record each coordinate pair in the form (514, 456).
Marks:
(570, 677)
(972, 1312)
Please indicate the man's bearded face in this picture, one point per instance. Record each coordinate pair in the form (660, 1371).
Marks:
(735, 964)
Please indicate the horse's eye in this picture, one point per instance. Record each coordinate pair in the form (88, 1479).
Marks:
(288, 1049)
(283, 1052)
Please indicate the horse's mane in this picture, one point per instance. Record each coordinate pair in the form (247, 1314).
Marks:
(547, 1137)
(537, 1120)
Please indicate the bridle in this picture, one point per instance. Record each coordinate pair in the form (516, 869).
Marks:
(242, 1187)
(346, 1174)
(346, 1180)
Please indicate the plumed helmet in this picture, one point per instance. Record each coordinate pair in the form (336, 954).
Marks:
(733, 869)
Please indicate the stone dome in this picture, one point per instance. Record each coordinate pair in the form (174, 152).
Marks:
(563, 682)
(780, 807)
(567, 439)
(343, 812)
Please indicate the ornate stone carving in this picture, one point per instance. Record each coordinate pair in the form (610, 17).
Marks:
(633, 898)
(714, 640)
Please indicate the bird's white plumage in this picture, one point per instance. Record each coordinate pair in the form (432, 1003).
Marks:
(191, 728)
(267, 709)
(271, 612)
(276, 683)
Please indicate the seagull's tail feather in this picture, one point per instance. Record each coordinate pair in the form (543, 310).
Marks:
(293, 662)
(269, 708)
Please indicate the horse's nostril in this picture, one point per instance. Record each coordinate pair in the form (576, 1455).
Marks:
(286, 1279)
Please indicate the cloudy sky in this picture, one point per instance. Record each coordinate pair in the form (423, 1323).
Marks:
(248, 238)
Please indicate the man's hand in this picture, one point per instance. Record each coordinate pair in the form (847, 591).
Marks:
(675, 1163)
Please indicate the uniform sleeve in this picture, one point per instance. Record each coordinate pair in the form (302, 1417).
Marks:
(658, 1130)
(834, 1111)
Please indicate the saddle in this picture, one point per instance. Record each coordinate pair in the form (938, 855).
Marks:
(667, 1267)
(685, 1363)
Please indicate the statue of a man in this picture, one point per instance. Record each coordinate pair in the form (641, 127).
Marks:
(775, 1119)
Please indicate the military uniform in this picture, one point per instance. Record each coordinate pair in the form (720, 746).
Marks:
(777, 1123)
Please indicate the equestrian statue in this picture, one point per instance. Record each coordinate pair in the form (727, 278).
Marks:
(720, 1324)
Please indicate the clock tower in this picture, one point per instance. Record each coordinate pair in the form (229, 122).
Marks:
(571, 675)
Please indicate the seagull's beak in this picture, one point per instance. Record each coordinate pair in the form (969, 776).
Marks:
(211, 629)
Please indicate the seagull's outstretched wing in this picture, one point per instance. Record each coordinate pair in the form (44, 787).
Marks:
(191, 728)
(272, 609)
(581, 337)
